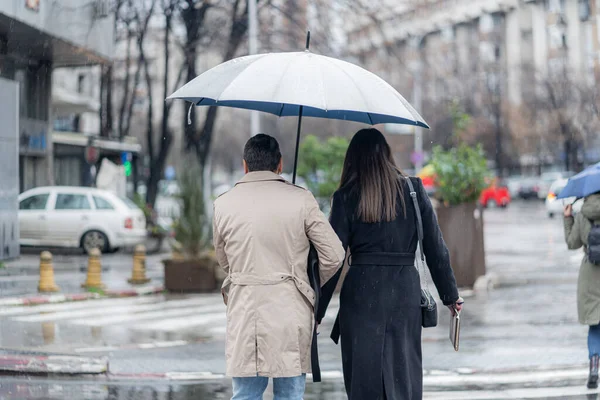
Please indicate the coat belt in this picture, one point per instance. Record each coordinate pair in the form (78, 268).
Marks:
(380, 258)
(366, 259)
(249, 279)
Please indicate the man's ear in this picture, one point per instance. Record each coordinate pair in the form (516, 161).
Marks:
(280, 166)
(245, 166)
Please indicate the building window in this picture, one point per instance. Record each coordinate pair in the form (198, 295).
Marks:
(497, 52)
(486, 23)
(80, 83)
(584, 10)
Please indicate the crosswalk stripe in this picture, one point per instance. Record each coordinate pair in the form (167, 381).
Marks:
(529, 393)
(174, 324)
(78, 305)
(66, 315)
(162, 314)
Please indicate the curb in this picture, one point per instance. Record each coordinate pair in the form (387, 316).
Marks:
(432, 379)
(65, 298)
(52, 364)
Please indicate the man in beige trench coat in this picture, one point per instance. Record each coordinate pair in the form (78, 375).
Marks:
(263, 228)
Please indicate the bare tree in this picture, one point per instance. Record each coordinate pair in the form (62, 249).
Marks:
(558, 98)
(158, 159)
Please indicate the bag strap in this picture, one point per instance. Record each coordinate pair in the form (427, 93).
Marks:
(419, 223)
(415, 201)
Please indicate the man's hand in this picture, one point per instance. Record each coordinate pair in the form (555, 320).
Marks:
(568, 212)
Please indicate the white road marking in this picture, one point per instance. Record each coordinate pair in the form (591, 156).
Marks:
(537, 393)
(153, 345)
(161, 314)
(131, 309)
(167, 324)
(504, 378)
(77, 305)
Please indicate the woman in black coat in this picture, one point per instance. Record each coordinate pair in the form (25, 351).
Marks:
(380, 316)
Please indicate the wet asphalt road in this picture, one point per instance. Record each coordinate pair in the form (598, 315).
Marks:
(526, 322)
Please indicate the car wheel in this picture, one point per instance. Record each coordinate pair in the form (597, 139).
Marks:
(95, 240)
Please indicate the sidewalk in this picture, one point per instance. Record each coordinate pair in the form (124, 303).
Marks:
(19, 278)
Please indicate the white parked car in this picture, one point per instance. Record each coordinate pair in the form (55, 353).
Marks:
(547, 179)
(555, 206)
(79, 217)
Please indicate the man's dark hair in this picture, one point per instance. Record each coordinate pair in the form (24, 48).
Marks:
(262, 153)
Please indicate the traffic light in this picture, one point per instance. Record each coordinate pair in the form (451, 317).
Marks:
(126, 161)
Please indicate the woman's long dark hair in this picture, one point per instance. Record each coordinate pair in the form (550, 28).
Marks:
(370, 169)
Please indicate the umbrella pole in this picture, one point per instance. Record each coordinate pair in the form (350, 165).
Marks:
(297, 143)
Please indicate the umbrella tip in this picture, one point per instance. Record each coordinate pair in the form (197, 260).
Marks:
(307, 40)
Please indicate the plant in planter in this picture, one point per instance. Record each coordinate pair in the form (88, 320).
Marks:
(320, 164)
(460, 176)
(195, 267)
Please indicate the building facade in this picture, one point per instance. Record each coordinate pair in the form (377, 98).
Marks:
(37, 37)
(491, 53)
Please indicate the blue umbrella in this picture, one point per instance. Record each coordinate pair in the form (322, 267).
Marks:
(583, 184)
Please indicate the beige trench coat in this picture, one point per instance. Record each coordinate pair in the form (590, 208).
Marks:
(262, 229)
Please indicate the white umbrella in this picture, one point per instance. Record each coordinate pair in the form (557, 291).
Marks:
(301, 84)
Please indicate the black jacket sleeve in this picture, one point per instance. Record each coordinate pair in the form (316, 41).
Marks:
(436, 251)
(341, 225)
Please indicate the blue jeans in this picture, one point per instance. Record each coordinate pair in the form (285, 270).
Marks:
(252, 388)
(594, 340)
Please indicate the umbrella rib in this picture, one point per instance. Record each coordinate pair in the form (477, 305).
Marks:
(238, 76)
(351, 80)
(370, 119)
(287, 67)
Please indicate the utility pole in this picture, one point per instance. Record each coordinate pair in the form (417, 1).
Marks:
(253, 49)
(417, 102)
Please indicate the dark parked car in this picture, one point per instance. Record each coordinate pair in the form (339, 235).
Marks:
(529, 188)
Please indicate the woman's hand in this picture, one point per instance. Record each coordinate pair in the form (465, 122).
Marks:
(568, 212)
(456, 306)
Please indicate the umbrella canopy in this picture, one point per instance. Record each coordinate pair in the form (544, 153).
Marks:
(583, 184)
(281, 83)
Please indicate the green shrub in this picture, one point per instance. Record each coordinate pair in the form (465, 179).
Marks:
(192, 228)
(320, 164)
(461, 174)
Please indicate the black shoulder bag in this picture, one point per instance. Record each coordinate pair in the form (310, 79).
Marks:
(428, 304)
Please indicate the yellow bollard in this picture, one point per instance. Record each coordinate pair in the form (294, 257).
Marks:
(94, 271)
(48, 332)
(47, 273)
(138, 275)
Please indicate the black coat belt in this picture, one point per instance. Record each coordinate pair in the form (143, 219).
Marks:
(384, 259)
(367, 259)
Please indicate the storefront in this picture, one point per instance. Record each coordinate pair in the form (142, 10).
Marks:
(71, 167)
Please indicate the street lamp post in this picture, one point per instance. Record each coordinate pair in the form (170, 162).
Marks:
(417, 101)
(253, 49)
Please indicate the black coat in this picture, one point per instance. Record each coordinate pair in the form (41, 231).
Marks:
(380, 315)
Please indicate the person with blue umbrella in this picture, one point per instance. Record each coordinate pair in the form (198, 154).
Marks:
(583, 230)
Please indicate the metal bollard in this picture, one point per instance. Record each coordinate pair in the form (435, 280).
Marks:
(94, 271)
(47, 283)
(138, 275)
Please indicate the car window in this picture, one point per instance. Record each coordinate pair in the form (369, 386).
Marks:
(102, 204)
(37, 202)
(72, 202)
(129, 203)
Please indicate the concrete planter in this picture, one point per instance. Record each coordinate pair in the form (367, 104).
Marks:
(462, 227)
(191, 275)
